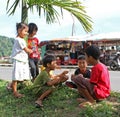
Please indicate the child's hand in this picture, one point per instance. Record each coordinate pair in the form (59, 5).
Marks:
(76, 76)
(65, 72)
(72, 76)
(64, 78)
(30, 51)
(27, 50)
(80, 75)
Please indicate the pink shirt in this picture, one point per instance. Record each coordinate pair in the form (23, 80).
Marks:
(100, 77)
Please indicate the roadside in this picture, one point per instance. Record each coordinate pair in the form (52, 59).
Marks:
(6, 74)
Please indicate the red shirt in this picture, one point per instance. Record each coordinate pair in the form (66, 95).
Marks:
(33, 44)
(100, 77)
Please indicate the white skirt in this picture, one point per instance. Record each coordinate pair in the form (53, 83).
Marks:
(20, 71)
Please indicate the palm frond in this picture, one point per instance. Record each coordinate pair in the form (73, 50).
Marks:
(76, 9)
(50, 12)
(13, 7)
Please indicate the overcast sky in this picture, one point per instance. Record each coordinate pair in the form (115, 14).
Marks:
(104, 13)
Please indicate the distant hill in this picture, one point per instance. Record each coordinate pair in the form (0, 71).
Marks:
(6, 44)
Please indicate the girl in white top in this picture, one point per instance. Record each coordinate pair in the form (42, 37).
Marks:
(20, 58)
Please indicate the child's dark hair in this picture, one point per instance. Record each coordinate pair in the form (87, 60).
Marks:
(48, 59)
(32, 27)
(93, 51)
(81, 57)
(21, 26)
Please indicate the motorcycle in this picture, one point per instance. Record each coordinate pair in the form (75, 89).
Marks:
(115, 63)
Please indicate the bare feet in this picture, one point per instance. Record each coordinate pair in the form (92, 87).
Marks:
(18, 95)
(38, 103)
(87, 103)
(80, 100)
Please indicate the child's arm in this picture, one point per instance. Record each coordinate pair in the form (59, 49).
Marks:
(27, 50)
(54, 81)
(62, 74)
(59, 75)
(58, 80)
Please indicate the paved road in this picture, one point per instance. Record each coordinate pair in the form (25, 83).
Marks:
(5, 74)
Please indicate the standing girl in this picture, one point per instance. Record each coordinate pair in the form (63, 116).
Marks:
(33, 43)
(20, 58)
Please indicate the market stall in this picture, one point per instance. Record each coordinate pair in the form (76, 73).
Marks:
(68, 49)
(65, 51)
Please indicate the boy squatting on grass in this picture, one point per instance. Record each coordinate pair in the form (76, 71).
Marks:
(98, 86)
(82, 69)
(43, 85)
(52, 75)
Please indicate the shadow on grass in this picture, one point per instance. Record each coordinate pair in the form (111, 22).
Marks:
(61, 103)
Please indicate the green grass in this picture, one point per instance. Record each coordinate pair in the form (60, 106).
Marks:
(61, 103)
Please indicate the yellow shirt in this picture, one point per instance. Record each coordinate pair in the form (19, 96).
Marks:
(50, 73)
(42, 68)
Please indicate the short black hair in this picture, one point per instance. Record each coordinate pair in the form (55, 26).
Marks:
(48, 59)
(32, 27)
(81, 57)
(93, 51)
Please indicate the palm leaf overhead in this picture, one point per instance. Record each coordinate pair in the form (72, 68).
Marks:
(49, 8)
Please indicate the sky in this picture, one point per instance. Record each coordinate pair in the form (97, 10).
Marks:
(104, 13)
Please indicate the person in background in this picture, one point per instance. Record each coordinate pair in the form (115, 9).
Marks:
(19, 55)
(82, 69)
(98, 86)
(33, 43)
(102, 56)
(44, 85)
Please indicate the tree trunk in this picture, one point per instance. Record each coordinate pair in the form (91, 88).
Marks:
(24, 13)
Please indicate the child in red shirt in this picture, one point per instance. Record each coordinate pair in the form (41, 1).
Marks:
(33, 43)
(98, 86)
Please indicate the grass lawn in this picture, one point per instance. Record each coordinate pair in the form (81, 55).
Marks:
(61, 103)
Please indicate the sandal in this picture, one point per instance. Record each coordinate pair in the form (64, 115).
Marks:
(87, 103)
(18, 95)
(38, 104)
(71, 84)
